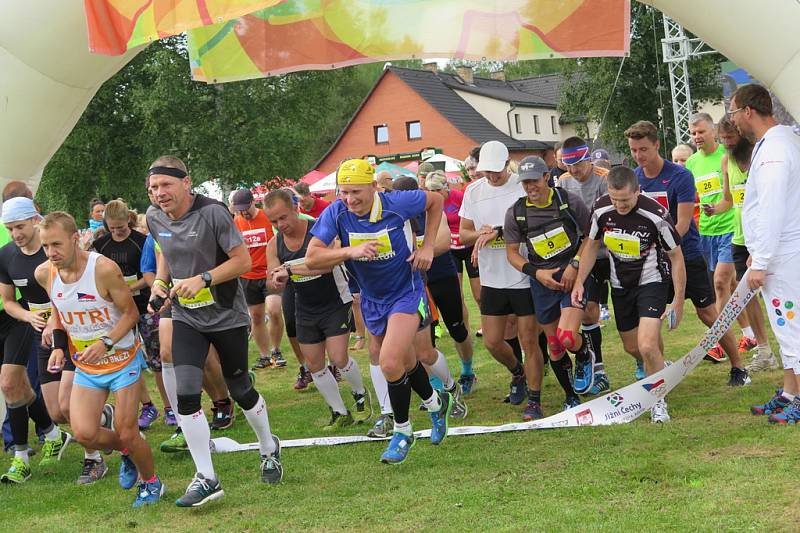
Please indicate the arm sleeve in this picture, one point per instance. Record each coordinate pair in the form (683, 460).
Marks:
(325, 227)
(511, 232)
(225, 230)
(148, 261)
(772, 189)
(594, 224)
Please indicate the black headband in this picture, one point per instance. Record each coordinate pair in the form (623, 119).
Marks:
(167, 171)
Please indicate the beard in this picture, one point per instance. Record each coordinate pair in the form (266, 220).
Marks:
(742, 151)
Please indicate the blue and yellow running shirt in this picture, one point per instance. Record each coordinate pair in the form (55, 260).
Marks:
(387, 277)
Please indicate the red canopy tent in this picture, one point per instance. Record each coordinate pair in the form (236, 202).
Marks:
(312, 177)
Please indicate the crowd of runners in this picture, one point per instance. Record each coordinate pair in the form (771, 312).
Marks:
(547, 245)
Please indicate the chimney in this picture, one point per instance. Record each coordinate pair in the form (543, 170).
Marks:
(465, 71)
(499, 75)
(431, 67)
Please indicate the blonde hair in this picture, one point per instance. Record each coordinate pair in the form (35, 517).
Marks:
(117, 210)
(59, 218)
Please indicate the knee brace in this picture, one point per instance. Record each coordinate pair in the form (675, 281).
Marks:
(555, 345)
(458, 331)
(567, 339)
(189, 404)
(242, 391)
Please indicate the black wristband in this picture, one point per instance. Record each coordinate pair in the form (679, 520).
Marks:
(60, 340)
(529, 269)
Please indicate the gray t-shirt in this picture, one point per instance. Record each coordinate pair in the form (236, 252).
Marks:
(589, 191)
(195, 243)
(553, 236)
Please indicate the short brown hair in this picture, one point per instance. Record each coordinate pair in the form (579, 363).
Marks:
(620, 178)
(116, 210)
(302, 188)
(60, 218)
(644, 129)
(16, 189)
(754, 96)
(278, 195)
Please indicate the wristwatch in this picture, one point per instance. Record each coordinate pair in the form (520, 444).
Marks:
(575, 263)
(206, 278)
(109, 344)
(288, 268)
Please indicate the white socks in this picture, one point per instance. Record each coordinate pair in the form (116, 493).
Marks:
(352, 374)
(432, 403)
(442, 371)
(329, 389)
(381, 388)
(259, 420)
(198, 435)
(171, 387)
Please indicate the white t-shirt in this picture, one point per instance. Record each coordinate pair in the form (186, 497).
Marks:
(485, 204)
(770, 219)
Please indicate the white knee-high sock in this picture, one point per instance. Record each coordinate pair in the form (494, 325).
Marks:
(381, 388)
(352, 373)
(195, 429)
(442, 371)
(329, 389)
(171, 387)
(258, 419)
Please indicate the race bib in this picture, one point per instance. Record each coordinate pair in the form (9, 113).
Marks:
(455, 241)
(708, 184)
(130, 280)
(737, 191)
(497, 244)
(300, 278)
(46, 307)
(660, 197)
(204, 298)
(385, 250)
(622, 245)
(81, 344)
(551, 243)
(255, 238)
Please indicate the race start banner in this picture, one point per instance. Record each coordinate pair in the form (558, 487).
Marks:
(619, 407)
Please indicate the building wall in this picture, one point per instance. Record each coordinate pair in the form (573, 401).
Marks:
(497, 112)
(394, 103)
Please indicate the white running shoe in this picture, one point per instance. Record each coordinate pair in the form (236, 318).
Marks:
(659, 414)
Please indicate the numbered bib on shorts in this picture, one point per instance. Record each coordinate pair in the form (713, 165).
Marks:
(737, 191)
(204, 298)
(300, 278)
(622, 245)
(708, 184)
(551, 243)
(46, 309)
(385, 250)
(130, 280)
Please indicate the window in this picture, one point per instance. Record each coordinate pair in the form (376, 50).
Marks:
(536, 124)
(553, 123)
(413, 130)
(517, 123)
(381, 134)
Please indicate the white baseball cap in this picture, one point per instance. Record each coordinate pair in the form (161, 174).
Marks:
(493, 158)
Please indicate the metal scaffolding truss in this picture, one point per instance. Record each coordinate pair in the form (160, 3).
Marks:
(676, 50)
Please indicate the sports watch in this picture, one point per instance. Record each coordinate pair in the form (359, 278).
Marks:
(206, 278)
(109, 344)
(575, 262)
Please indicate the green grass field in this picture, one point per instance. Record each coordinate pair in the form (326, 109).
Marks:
(714, 467)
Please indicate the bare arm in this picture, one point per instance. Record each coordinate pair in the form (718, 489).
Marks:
(12, 306)
(685, 216)
(678, 281)
(467, 232)
(112, 286)
(442, 245)
(726, 202)
(320, 257)
(238, 263)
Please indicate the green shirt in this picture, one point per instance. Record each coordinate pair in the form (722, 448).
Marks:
(707, 172)
(737, 178)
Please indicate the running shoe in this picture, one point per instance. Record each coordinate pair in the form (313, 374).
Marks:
(775, 405)
(658, 413)
(383, 427)
(601, 384)
(338, 421)
(570, 402)
(277, 359)
(148, 416)
(438, 331)
(19, 472)
(363, 407)
(263, 362)
(440, 420)
(108, 422)
(169, 417)
(467, 383)
(460, 408)
(52, 450)
(746, 344)
(763, 359)
(518, 390)
(716, 355)
(639, 373)
(128, 475)
(533, 411)
(223, 415)
(479, 333)
(92, 471)
(200, 491)
(176, 443)
(271, 466)
(304, 379)
(739, 377)
(584, 374)
(149, 493)
(605, 314)
(789, 415)
(398, 448)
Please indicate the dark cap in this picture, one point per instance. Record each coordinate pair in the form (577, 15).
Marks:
(242, 199)
(531, 168)
(599, 154)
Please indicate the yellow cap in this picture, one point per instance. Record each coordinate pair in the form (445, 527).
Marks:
(355, 172)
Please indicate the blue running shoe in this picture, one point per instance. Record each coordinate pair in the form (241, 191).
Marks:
(149, 493)
(569, 403)
(639, 373)
(467, 383)
(398, 449)
(127, 473)
(584, 374)
(440, 419)
(775, 405)
(601, 384)
(789, 415)
(518, 390)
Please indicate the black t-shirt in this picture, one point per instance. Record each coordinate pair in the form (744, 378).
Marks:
(128, 255)
(18, 269)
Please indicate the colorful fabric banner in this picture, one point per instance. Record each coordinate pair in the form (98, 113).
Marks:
(117, 25)
(323, 34)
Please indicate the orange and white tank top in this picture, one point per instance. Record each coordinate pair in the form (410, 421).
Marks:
(87, 316)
